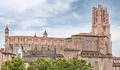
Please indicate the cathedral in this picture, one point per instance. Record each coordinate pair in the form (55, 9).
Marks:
(94, 47)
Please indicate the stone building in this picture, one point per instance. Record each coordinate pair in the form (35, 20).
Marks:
(5, 56)
(94, 47)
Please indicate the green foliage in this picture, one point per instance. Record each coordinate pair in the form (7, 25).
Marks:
(62, 64)
(79, 64)
(15, 63)
(59, 64)
(40, 64)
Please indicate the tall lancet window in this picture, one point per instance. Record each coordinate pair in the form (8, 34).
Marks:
(101, 67)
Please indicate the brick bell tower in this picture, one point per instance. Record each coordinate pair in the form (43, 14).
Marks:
(100, 21)
(101, 27)
(6, 33)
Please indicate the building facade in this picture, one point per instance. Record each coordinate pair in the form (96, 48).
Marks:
(94, 47)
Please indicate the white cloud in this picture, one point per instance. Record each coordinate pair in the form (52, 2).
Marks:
(27, 23)
(50, 9)
(6, 21)
(20, 5)
(35, 7)
(26, 11)
(115, 32)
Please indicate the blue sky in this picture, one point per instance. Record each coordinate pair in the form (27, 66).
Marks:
(61, 18)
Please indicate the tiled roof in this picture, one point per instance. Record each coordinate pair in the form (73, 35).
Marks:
(30, 55)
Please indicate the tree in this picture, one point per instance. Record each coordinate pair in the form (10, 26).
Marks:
(77, 64)
(62, 64)
(71, 64)
(59, 64)
(40, 64)
(15, 63)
